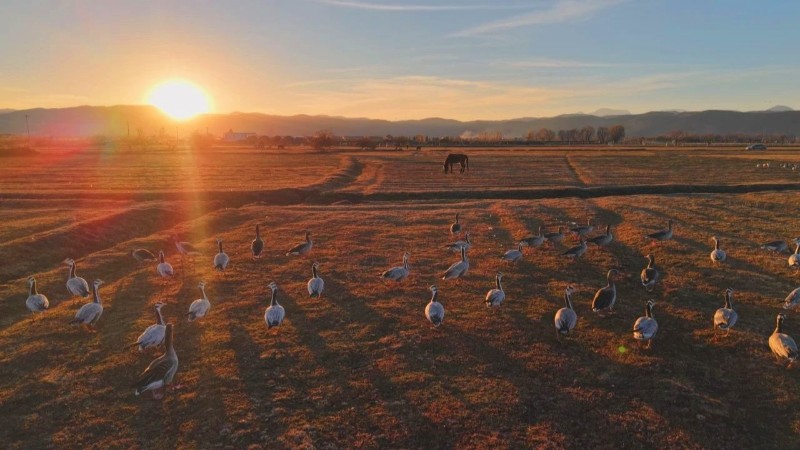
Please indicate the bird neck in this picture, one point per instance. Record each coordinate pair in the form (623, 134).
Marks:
(274, 300)
(434, 294)
(716, 244)
(405, 262)
(499, 285)
(540, 230)
(33, 288)
(779, 325)
(72, 270)
(463, 253)
(568, 300)
(161, 257)
(168, 340)
(203, 291)
(314, 271)
(797, 248)
(159, 318)
(219, 244)
(651, 262)
(258, 232)
(728, 300)
(96, 295)
(308, 237)
(456, 217)
(648, 310)
(608, 229)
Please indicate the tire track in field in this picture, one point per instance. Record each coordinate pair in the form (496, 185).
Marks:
(579, 176)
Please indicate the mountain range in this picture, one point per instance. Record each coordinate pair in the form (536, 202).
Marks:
(83, 121)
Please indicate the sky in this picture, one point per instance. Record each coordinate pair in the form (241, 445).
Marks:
(406, 59)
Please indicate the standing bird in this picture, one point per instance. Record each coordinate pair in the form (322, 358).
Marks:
(513, 255)
(781, 344)
(315, 285)
(143, 255)
(603, 239)
(164, 268)
(152, 336)
(583, 230)
(646, 327)
(792, 300)
(274, 315)
(534, 241)
(495, 297)
(605, 297)
(650, 274)
(566, 319)
(257, 246)
(718, 255)
(186, 249)
(663, 235)
(76, 285)
(576, 251)
(725, 317)
(199, 308)
(90, 313)
(456, 246)
(455, 228)
(161, 371)
(221, 259)
(555, 238)
(459, 268)
(434, 311)
(778, 246)
(398, 273)
(303, 248)
(794, 258)
(36, 302)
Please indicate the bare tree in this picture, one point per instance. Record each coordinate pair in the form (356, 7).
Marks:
(603, 135)
(545, 135)
(587, 133)
(616, 133)
(323, 139)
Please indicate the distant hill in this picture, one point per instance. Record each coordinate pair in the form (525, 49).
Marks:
(780, 108)
(114, 121)
(603, 112)
(5, 110)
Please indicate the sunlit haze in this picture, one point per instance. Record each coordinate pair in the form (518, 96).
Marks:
(179, 99)
(404, 59)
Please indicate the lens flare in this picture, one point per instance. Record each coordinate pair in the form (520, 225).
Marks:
(179, 99)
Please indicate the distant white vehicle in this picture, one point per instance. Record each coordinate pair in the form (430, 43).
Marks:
(756, 147)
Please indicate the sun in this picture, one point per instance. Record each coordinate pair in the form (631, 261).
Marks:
(179, 99)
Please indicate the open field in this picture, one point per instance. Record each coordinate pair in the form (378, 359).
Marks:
(361, 367)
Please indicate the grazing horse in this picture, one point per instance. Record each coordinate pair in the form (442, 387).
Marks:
(456, 158)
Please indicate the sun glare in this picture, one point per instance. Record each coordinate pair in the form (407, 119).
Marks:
(179, 99)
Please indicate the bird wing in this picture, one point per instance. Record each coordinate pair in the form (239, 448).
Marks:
(157, 370)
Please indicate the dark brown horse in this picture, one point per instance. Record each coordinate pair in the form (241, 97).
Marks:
(456, 158)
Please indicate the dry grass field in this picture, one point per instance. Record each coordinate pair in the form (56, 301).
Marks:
(361, 367)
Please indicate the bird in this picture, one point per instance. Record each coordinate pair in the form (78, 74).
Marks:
(792, 300)
(534, 241)
(434, 311)
(794, 258)
(646, 327)
(76, 285)
(199, 308)
(143, 255)
(398, 273)
(576, 251)
(459, 268)
(275, 313)
(36, 302)
(663, 235)
(257, 246)
(302, 248)
(161, 370)
(164, 268)
(566, 319)
(606, 296)
(555, 238)
(650, 274)
(456, 246)
(495, 297)
(315, 285)
(583, 230)
(152, 336)
(725, 317)
(455, 228)
(221, 259)
(90, 313)
(718, 255)
(781, 344)
(186, 249)
(603, 239)
(513, 255)
(778, 246)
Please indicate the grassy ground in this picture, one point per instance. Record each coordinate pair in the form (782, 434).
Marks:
(361, 367)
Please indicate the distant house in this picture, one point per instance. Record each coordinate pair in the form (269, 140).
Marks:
(232, 136)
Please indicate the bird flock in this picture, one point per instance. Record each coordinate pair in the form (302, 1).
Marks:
(160, 372)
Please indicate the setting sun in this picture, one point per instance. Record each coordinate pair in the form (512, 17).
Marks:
(179, 99)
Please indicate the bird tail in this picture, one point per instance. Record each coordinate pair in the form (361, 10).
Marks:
(130, 346)
(74, 321)
(191, 317)
(218, 267)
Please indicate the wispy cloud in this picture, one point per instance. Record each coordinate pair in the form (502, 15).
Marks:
(414, 8)
(555, 64)
(561, 11)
